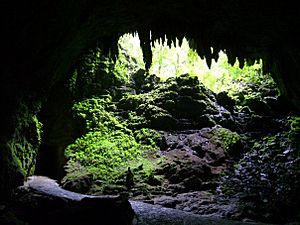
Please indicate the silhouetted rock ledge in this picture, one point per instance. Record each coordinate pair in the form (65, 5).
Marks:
(41, 201)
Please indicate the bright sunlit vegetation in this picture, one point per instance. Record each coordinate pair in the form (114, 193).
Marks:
(169, 62)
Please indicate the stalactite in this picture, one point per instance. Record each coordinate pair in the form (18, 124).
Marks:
(208, 61)
(196, 44)
(250, 61)
(163, 38)
(146, 47)
(208, 54)
(215, 53)
(114, 52)
(109, 46)
(180, 39)
(169, 41)
(241, 62)
(192, 43)
(173, 38)
(154, 37)
(231, 57)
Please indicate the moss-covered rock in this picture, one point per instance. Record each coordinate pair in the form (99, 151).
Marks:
(20, 150)
(177, 98)
(187, 80)
(131, 102)
(134, 121)
(187, 107)
(205, 120)
(148, 137)
(151, 81)
(228, 140)
(225, 100)
(259, 106)
(158, 118)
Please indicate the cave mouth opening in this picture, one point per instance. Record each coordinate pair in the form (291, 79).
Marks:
(128, 110)
(170, 134)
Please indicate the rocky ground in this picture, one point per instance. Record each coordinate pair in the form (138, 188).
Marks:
(188, 176)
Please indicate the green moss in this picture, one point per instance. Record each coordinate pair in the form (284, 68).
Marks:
(148, 137)
(103, 154)
(39, 130)
(75, 171)
(144, 171)
(96, 114)
(158, 118)
(26, 139)
(135, 121)
(295, 127)
(176, 98)
(96, 74)
(160, 96)
(110, 146)
(121, 135)
(132, 102)
(226, 139)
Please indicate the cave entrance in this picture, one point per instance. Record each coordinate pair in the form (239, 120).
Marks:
(120, 107)
(166, 135)
(121, 111)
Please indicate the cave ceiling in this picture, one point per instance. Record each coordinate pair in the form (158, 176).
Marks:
(47, 37)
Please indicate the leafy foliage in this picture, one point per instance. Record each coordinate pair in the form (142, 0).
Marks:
(25, 147)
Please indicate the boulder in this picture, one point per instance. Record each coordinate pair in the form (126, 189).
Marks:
(42, 201)
(224, 100)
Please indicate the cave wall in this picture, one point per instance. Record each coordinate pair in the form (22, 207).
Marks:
(60, 128)
(43, 39)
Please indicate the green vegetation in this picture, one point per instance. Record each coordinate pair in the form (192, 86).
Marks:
(96, 74)
(25, 147)
(130, 54)
(227, 139)
(96, 113)
(171, 60)
(109, 147)
(104, 154)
